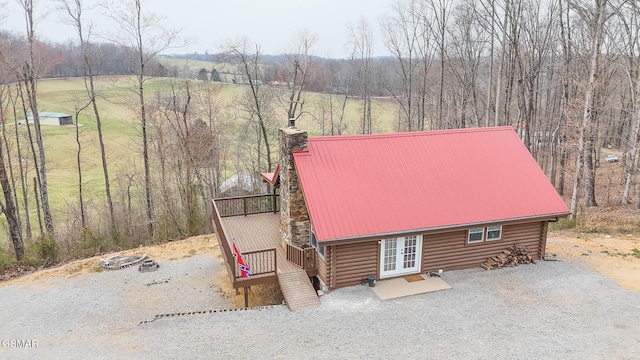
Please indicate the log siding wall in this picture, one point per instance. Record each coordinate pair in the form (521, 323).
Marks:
(348, 264)
(450, 251)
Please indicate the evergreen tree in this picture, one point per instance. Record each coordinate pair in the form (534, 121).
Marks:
(202, 75)
(215, 76)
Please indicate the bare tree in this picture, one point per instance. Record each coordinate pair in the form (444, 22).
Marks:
(29, 76)
(74, 11)
(567, 93)
(330, 110)
(78, 110)
(143, 36)
(441, 11)
(8, 207)
(408, 35)
(256, 100)
(361, 40)
(629, 23)
(210, 143)
(596, 18)
(297, 64)
(209, 105)
(401, 31)
(468, 42)
(177, 114)
(488, 14)
(34, 158)
(22, 168)
(531, 52)
(5, 95)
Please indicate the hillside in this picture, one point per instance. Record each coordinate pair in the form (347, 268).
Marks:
(122, 139)
(121, 129)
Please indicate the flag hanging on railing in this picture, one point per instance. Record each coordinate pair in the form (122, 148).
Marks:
(244, 269)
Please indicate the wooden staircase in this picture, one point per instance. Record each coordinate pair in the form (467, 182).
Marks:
(298, 290)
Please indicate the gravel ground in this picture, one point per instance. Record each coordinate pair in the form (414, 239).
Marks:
(544, 311)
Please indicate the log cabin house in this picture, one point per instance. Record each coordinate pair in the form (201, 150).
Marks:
(387, 205)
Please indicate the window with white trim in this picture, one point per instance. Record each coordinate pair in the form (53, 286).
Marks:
(476, 235)
(494, 233)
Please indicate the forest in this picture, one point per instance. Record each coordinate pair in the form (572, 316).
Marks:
(155, 136)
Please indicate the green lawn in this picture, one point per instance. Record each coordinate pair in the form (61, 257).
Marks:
(122, 132)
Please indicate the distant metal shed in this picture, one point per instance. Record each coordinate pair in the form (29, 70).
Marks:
(53, 118)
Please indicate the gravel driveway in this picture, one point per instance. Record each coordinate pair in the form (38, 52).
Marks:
(546, 311)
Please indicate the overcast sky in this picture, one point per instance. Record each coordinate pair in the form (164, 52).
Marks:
(270, 23)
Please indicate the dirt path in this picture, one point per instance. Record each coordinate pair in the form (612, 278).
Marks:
(180, 249)
(204, 244)
(614, 256)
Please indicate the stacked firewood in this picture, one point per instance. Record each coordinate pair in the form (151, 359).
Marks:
(512, 256)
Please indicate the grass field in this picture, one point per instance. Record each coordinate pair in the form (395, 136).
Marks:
(117, 104)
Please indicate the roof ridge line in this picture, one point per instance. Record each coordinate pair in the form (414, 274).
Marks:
(410, 133)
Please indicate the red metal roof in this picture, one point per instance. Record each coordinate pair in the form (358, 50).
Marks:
(365, 185)
(272, 177)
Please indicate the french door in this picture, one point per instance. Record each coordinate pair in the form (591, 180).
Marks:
(400, 256)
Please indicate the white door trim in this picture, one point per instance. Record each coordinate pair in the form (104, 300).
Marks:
(395, 257)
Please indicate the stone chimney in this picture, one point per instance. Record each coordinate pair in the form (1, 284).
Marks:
(294, 218)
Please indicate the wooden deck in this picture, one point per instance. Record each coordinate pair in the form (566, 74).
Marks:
(258, 232)
(255, 234)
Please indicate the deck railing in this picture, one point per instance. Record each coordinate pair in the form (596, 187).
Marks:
(304, 258)
(249, 204)
(222, 239)
(262, 263)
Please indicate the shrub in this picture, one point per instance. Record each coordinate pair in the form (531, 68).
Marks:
(92, 243)
(5, 260)
(43, 251)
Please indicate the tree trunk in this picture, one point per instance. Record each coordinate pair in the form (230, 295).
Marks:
(634, 77)
(565, 39)
(10, 210)
(44, 188)
(145, 157)
(491, 51)
(34, 158)
(83, 218)
(36, 195)
(14, 194)
(630, 172)
(587, 131)
(23, 181)
(563, 161)
(30, 78)
(142, 36)
(252, 74)
(577, 178)
(103, 155)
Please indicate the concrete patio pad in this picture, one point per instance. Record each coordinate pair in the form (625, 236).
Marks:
(399, 287)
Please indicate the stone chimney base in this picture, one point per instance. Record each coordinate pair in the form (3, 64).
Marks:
(294, 218)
